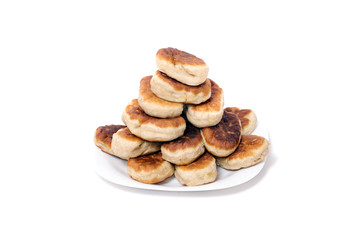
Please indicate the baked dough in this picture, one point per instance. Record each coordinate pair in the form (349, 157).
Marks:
(103, 137)
(182, 66)
(184, 149)
(149, 168)
(251, 150)
(151, 128)
(210, 112)
(169, 89)
(247, 118)
(126, 145)
(155, 106)
(199, 172)
(222, 140)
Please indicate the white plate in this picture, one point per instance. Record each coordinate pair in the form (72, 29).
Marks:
(114, 170)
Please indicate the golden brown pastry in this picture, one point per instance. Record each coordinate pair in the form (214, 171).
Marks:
(208, 113)
(170, 89)
(149, 168)
(222, 140)
(184, 149)
(182, 66)
(251, 150)
(151, 128)
(155, 106)
(103, 136)
(199, 172)
(247, 119)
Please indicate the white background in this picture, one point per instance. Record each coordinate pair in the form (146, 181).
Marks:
(67, 67)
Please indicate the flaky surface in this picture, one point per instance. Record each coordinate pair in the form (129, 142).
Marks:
(223, 138)
(247, 118)
(184, 149)
(251, 150)
(182, 66)
(103, 136)
(170, 89)
(199, 172)
(126, 145)
(152, 128)
(155, 106)
(210, 112)
(149, 168)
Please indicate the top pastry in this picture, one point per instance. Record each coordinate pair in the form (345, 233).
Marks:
(182, 66)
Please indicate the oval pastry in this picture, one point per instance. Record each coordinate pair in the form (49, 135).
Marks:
(208, 113)
(184, 149)
(182, 66)
(251, 150)
(155, 106)
(247, 119)
(103, 137)
(169, 89)
(126, 145)
(222, 140)
(151, 128)
(149, 168)
(199, 172)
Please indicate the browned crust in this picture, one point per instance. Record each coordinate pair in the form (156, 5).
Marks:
(127, 134)
(226, 134)
(176, 56)
(214, 103)
(135, 112)
(201, 163)
(203, 88)
(247, 147)
(241, 113)
(146, 163)
(103, 135)
(149, 96)
(191, 138)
